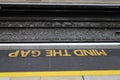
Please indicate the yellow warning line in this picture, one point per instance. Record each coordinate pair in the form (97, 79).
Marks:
(60, 73)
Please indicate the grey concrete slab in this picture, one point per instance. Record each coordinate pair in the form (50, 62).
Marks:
(26, 78)
(62, 78)
(4, 78)
(117, 77)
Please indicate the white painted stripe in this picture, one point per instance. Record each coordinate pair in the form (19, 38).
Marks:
(59, 44)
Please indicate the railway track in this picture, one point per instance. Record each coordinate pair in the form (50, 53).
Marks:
(50, 23)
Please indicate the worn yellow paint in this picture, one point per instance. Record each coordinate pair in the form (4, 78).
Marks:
(60, 73)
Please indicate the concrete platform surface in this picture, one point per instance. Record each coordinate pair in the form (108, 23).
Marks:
(117, 77)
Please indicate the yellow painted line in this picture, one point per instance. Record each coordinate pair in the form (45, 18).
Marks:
(60, 73)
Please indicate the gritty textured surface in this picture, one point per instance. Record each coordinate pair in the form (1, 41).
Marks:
(59, 29)
(55, 24)
(62, 18)
(56, 35)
